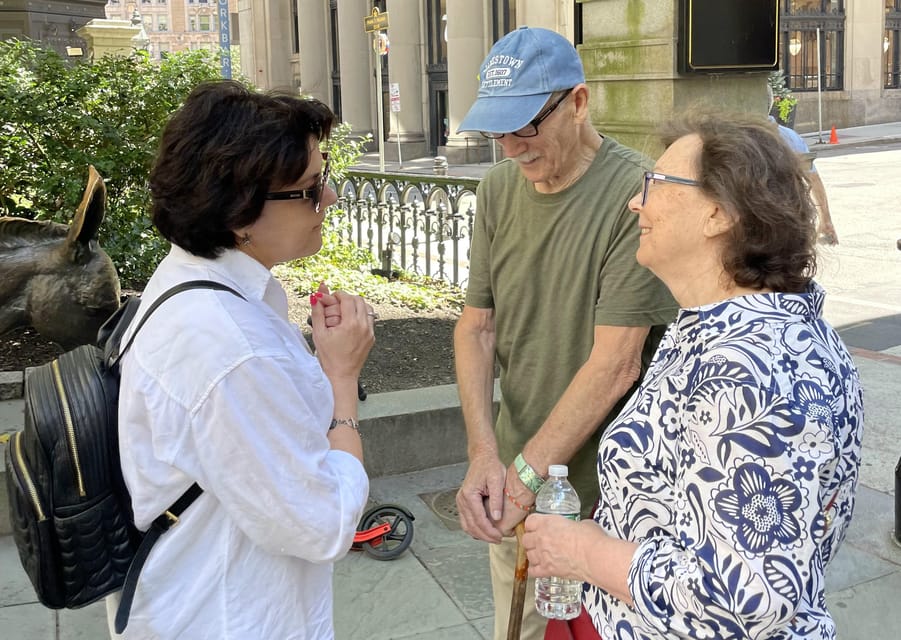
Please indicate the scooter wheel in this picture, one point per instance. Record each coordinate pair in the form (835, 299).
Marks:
(393, 543)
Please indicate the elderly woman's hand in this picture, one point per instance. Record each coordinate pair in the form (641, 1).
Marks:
(559, 547)
(554, 544)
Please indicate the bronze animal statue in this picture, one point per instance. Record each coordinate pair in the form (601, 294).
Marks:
(56, 278)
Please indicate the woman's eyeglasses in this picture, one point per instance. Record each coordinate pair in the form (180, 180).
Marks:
(531, 129)
(662, 177)
(314, 193)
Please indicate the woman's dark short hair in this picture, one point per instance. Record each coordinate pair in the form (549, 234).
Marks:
(219, 155)
(746, 167)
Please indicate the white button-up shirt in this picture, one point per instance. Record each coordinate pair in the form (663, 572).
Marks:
(226, 393)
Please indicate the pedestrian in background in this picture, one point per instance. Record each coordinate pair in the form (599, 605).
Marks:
(727, 483)
(826, 230)
(555, 295)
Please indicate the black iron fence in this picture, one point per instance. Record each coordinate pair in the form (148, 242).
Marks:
(417, 223)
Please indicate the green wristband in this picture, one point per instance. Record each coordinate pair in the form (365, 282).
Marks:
(527, 474)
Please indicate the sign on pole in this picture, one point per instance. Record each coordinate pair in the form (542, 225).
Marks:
(225, 56)
(394, 93)
(376, 21)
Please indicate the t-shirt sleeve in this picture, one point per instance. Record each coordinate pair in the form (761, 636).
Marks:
(629, 294)
(478, 289)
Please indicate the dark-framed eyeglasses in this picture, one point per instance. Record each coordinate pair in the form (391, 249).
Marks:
(662, 177)
(313, 193)
(531, 129)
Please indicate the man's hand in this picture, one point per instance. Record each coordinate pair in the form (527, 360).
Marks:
(519, 497)
(480, 499)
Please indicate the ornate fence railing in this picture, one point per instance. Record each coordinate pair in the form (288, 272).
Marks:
(417, 223)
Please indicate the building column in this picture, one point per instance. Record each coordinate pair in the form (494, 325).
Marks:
(266, 42)
(466, 49)
(406, 69)
(313, 33)
(864, 59)
(357, 67)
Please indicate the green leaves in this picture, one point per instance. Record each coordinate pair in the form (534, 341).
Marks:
(60, 116)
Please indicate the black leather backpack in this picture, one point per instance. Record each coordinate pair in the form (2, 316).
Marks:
(69, 507)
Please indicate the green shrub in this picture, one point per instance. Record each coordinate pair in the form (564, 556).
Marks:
(60, 116)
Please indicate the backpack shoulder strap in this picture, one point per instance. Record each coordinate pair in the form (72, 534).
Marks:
(184, 286)
(161, 525)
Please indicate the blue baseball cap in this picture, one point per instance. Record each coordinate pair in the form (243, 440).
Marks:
(521, 72)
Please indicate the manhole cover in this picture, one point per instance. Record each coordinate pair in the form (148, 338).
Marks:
(444, 505)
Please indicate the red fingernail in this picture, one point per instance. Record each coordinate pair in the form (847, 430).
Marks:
(318, 294)
(313, 300)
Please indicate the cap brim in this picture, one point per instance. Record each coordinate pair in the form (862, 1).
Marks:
(502, 114)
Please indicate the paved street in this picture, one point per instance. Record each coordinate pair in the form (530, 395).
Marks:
(439, 589)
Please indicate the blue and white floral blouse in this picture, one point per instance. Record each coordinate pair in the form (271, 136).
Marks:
(734, 467)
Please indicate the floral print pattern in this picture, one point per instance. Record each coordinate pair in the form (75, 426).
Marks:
(746, 429)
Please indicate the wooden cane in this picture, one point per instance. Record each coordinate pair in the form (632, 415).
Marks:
(521, 573)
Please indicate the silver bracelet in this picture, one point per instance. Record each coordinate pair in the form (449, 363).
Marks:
(350, 422)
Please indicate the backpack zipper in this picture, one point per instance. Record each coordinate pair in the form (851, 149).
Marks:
(70, 426)
(26, 478)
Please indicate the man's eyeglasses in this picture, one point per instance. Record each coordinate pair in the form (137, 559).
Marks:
(531, 129)
(662, 177)
(314, 193)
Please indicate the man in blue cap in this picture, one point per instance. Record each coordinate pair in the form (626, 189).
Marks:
(555, 295)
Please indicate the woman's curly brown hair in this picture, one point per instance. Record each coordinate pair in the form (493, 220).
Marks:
(747, 168)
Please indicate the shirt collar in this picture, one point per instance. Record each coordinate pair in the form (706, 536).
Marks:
(786, 307)
(237, 270)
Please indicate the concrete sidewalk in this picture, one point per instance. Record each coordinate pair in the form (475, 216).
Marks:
(439, 589)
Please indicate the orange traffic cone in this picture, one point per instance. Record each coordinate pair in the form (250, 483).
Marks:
(833, 137)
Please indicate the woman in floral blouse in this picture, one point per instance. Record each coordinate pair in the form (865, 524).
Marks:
(727, 483)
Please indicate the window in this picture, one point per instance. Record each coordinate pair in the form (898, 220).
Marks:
(192, 23)
(335, 58)
(295, 29)
(503, 18)
(204, 23)
(801, 22)
(438, 32)
(891, 44)
(162, 23)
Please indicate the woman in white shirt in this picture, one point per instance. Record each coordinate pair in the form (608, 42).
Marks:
(225, 392)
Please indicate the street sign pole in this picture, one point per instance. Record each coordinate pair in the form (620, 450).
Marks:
(374, 23)
(381, 107)
(394, 92)
(400, 160)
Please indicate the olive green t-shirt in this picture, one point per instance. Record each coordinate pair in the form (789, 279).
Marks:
(553, 266)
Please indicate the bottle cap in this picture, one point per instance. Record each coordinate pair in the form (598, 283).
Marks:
(558, 470)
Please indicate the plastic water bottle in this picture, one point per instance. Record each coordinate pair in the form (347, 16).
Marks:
(558, 598)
